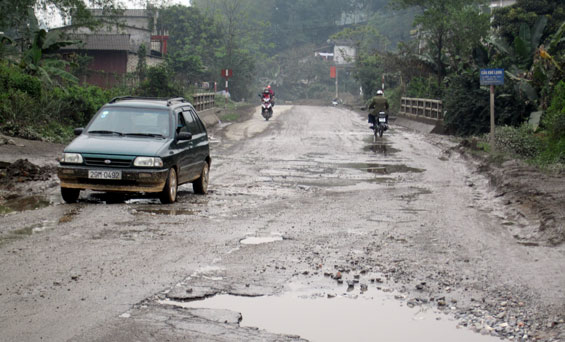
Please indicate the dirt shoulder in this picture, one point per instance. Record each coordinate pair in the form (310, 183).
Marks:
(529, 193)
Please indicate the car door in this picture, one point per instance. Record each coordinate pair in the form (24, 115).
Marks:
(182, 148)
(198, 143)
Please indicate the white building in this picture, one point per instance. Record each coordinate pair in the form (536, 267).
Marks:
(501, 3)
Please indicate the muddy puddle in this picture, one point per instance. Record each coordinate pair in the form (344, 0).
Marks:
(329, 317)
(23, 204)
(380, 148)
(166, 211)
(383, 169)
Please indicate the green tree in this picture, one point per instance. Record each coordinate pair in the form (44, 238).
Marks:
(448, 28)
(508, 20)
(141, 68)
(158, 83)
(195, 40)
(242, 30)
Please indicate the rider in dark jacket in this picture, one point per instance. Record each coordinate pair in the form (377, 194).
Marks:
(377, 104)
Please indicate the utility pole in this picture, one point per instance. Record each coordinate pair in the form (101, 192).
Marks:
(336, 84)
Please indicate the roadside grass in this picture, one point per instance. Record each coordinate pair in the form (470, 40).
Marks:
(230, 111)
(230, 117)
(535, 148)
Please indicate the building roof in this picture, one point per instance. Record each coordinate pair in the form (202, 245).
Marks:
(111, 42)
(97, 12)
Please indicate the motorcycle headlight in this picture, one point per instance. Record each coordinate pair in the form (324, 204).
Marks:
(72, 158)
(148, 162)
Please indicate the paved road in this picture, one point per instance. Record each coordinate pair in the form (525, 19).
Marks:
(404, 213)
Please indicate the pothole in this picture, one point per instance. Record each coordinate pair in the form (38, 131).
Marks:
(383, 169)
(257, 240)
(380, 148)
(328, 317)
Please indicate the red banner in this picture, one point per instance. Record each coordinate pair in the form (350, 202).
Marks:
(227, 73)
(333, 71)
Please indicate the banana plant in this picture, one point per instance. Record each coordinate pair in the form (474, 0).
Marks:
(37, 60)
(521, 54)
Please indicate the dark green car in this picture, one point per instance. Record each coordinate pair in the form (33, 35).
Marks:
(138, 145)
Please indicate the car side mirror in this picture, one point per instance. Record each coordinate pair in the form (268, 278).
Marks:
(78, 131)
(184, 136)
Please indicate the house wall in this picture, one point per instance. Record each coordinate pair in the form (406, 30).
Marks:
(108, 68)
(502, 3)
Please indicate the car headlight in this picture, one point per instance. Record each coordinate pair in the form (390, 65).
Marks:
(148, 162)
(71, 158)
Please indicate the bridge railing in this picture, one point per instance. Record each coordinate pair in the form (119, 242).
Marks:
(202, 101)
(421, 108)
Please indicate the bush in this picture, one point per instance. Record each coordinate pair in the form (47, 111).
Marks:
(158, 84)
(423, 87)
(554, 118)
(520, 142)
(17, 107)
(76, 104)
(12, 77)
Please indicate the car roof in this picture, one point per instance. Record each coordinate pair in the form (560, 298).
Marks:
(147, 102)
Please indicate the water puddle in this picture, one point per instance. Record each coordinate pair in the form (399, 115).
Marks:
(380, 148)
(23, 204)
(326, 317)
(383, 169)
(165, 211)
(257, 240)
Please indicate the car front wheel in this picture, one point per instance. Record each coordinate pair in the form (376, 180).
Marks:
(169, 193)
(200, 185)
(70, 195)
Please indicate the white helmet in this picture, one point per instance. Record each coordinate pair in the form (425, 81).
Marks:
(379, 92)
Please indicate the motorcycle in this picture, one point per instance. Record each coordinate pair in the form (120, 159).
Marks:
(380, 125)
(266, 106)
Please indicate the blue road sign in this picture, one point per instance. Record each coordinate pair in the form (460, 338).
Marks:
(492, 76)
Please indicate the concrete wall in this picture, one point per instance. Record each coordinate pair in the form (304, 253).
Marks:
(209, 117)
(133, 60)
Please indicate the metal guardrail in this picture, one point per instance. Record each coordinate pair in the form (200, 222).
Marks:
(421, 108)
(204, 101)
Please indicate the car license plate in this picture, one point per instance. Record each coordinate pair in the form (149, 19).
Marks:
(382, 119)
(104, 174)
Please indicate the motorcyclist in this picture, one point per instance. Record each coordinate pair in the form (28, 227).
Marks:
(376, 105)
(271, 93)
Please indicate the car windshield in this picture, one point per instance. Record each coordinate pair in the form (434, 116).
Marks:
(140, 122)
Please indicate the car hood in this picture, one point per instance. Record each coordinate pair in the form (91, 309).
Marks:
(100, 144)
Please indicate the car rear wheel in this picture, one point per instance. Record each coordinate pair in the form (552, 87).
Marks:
(70, 195)
(169, 193)
(200, 185)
